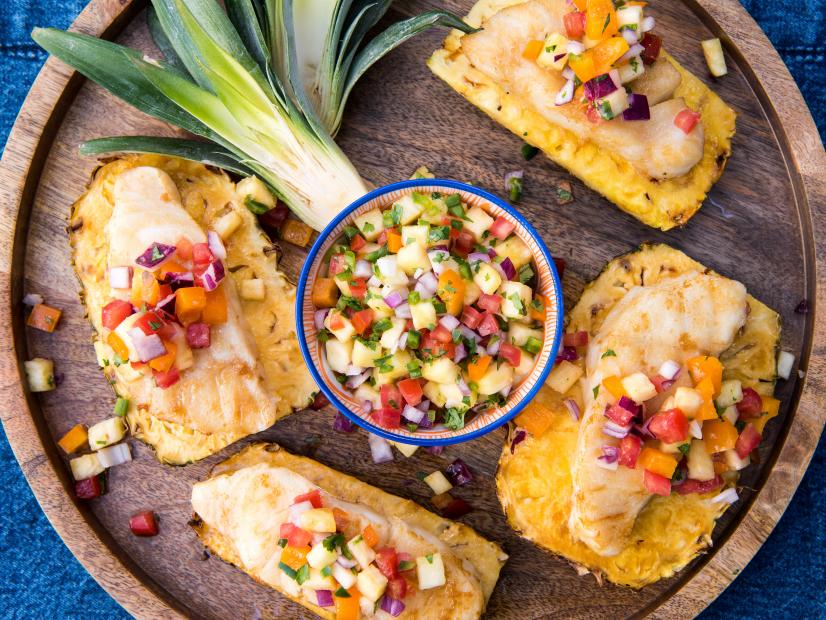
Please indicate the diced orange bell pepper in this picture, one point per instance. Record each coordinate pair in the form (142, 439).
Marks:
(165, 362)
(719, 435)
(581, 4)
(614, 385)
(295, 557)
(348, 608)
(532, 49)
(296, 232)
(371, 537)
(607, 52)
(583, 65)
(706, 366)
(538, 307)
(394, 241)
(451, 290)
(145, 289)
(168, 267)
(183, 249)
(771, 407)
(657, 461)
(600, 19)
(708, 411)
(75, 439)
(215, 310)
(477, 368)
(43, 317)
(341, 517)
(118, 346)
(720, 467)
(536, 418)
(189, 304)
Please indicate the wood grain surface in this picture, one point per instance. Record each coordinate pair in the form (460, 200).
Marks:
(763, 224)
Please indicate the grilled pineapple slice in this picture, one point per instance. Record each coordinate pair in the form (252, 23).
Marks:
(534, 478)
(661, 203)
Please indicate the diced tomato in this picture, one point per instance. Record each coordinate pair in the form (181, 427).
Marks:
(651, 44)
(336, 321)
(358, 288)
(387, 418)
(657, 484)
(748, 440)
(338, 264)
(357, 242)
(471, 317)
(90, 488)
(751, 406)
(488, 325)
(456, 509)
(661, 383)
(183, 249)
(314, 497)
(382, 238)
(686, 120)
(167, 378)
(144, 524)
(386, 560)
(430, 344)
(397, 588)
(150, 323)
(319, 401)
(411, 391)
(464, 243)
(441, 334)
(198, 335)
(341, 517)
(501, 228)
(669, 426)
(296, 537)
(560, 266)
(619, 415)
(489, 303)
(699, 486)
(201, 254)
(577, 339)
(391, 398)
(574, 24)
(362, 320)
(630, 447)
(510, 353)
(115, 312)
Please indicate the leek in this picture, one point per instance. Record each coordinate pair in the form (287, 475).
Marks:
(263, 83)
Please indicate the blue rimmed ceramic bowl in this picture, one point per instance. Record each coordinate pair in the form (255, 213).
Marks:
(483, 422)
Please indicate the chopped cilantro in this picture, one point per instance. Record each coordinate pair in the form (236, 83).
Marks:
(608, 353)
(291, 573)
(596, 391)
(684, 448)
(454, 418)
(333, 541)
(368, 227)
(525, 273)
(342, 593)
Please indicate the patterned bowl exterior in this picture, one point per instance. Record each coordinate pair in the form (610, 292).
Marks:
(481, 423)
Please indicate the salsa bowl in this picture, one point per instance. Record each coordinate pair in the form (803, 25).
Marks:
(545, 282)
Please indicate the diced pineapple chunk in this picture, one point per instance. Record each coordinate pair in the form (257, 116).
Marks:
(437, 482)
(412, 235)
(440, 370)
(366, 392)
(318, 520)
(433, 391)
(317, 581)
(497, 378)
(526, 364)
(408, 210)
(361, 551)
(487, 278)
(554, 52)
(734, 461)
(227, 224)
(430, 571)
(371, 224)
(344, 576)
(700, 465)
(434, 209)
(371, 583)
(86, 466)
(254, 188)
(339, 354)
(127, 374)
(344, 330)
(472, 292)
(731, 393)
(424, 315)
(365, 356)
(390, 338)
(40, 374)
(103, 353)
(393, 368)
(516, 297)
(477, 222)
(106, 433)
(319, 556)
(631, 70)
(453, 396)
(406, 449)
(413, 257)
(639, 387)
(629, 16)
(563, 376)
(715, 59)
(516, 250)
(688, 400)
(731, 414)
(253, 289)
(518, 334)
(343, 284)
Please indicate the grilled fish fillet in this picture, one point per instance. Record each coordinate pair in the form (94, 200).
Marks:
(697, 313)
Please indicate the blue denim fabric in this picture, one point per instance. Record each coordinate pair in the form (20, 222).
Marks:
(41, 578)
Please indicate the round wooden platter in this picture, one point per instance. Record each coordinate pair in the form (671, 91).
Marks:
(763, 225)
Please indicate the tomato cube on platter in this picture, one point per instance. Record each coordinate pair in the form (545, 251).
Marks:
(748, 440)
(501, 228)
(471, 317)
(488, 325)
(391, 398)
(629, 447)
(314, 497)
(699, 486)
(489, 303)
(115, 312)
(751, 406)
(411, 391)
(397, 588)
(89, 488)
(144, 524)
(296, 536)
(669, 426)
(388, 418)
(510, 353)
(386, 560)
(657, 484)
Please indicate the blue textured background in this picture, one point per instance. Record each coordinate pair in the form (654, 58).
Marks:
(41, 578)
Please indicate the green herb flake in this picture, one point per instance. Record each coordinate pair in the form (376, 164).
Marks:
(684, 448)
(290, 572)
(121, 407)
(596, 391)
(454, 418)
(258, 208)
(515, 189)
(529, 151)
(608, 353)
(342, 593)
(303, 574)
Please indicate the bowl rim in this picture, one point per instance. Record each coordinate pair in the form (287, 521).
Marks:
(307, 268)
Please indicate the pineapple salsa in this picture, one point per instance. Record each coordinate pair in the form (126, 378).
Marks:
(427, 311)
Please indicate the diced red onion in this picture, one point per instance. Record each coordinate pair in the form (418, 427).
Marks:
(111, 456)
(568, 354)
(648, 23)
(342, 424)
(608, 462)
(425, 423)
(216, 245)
(429, 281)
(637, 109)
(474, 257)
(568, 73)
(394, 299)
(166, 306)
(391, 606)
(380, 449)
(353, 371)
(356, 380)
(599, 86)
(610, 453)
(32, 299)
(491, 252)
(729, 496)
(120, 277)
(508, 268)
(518, 437)
(493, 344)
(615, 77)
(434, 450)
(449, 321)
(345, 562)
(181, 280)
(443, 247)
(367, 405)
(403, 311)
(402, 343)
(460, 353)
(635, 50)
(615, 430)
(387, 266)
(373, 281)
(505, 391)
(469, 333)
(148, 347)
(319, 316)
(155, 254)
(514, 174)
(324, 598)
(463, 386)
(695, 429)
(566, 93)
(198, 335)
(296, 510)
(630, 36)
(642, 429)
(459, 473)
(213, 275)
(669, 370)
(629, 405)
(575, 47)
(413, 414)
(498, 267)
(573, 408)
(424, 405)
(423, 291)
(363, 269)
